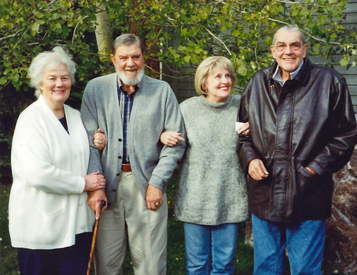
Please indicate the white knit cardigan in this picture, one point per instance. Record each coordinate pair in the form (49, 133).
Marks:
(47, 205)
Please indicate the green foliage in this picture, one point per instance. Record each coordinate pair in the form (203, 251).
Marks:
(30, 27)
(179, 33)
(183, 32)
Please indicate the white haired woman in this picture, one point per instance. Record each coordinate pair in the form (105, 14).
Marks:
(49, 220)
(211, 197)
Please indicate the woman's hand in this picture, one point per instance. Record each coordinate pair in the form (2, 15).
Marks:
(94, 181)
(242, 128)
(171, 138)
(99, 140)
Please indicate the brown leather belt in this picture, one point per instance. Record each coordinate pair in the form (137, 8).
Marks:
(126, 167)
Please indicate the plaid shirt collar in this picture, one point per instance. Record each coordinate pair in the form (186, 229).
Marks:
(120, 86)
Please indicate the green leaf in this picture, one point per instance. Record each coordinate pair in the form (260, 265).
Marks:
(3, 80)
(242, 70)
(235, 33)
(35, 27)
(344, 62)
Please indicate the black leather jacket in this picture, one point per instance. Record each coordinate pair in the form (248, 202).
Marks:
(307, 122)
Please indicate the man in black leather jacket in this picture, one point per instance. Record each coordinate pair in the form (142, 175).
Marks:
(303, 129)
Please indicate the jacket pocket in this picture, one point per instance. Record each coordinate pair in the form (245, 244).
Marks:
(307, 182)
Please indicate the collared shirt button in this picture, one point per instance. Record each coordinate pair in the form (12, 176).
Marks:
(119, 139)
(118, 174)
(114, 190)
(119, 157)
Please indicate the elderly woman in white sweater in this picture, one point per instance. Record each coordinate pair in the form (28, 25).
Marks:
(211, 198)
(49, 219)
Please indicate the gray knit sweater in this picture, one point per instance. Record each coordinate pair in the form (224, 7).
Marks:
(212, 187)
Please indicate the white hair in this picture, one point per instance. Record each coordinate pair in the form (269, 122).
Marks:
(49, 58)
(290, 28)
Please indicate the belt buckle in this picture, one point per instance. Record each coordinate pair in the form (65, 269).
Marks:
(126, 167)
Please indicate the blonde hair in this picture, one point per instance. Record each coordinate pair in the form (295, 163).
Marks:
(49, 58)
(209, 65)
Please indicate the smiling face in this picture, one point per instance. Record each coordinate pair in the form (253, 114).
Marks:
(286, 51)
(218, 85)
(56, 85)
(129, 64)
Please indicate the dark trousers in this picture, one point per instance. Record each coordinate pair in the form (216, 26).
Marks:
(71, 260)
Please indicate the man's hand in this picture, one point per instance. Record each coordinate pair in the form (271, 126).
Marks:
(153, 197)
(94, 200)
(257, 170)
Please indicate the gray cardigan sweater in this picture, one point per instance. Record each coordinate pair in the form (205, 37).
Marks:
(212, 187)
(155, 110)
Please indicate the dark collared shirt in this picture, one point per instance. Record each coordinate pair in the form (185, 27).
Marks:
(126, 105)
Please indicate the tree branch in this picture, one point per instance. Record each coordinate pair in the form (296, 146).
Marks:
(18, 41)
(219, 41)
(171, 76)
(9, 36)
(310, 35)
(75, 28)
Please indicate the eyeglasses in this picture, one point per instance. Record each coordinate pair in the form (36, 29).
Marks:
(293, 46)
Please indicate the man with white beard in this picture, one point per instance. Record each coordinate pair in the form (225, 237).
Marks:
(132, 110)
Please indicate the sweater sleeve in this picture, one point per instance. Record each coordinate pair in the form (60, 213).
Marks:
(90, 122)
(246, 150)
(35, 160)
(169, 156)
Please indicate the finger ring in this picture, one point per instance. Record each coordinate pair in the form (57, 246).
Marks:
(157, 204)
(101, 184)
(100, 142)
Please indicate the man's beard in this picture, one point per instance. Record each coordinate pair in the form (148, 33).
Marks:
(128, 81)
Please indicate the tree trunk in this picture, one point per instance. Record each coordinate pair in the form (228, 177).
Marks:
(103, 32)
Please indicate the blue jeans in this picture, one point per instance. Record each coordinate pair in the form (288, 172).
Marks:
(206, 243)
(303, 240)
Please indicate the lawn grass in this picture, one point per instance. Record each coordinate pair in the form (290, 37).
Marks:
(8, 255)
(175, 247)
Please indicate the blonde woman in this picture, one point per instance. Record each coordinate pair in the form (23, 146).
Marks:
(211, 197)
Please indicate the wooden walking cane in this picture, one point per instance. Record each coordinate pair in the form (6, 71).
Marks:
(94, 240)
